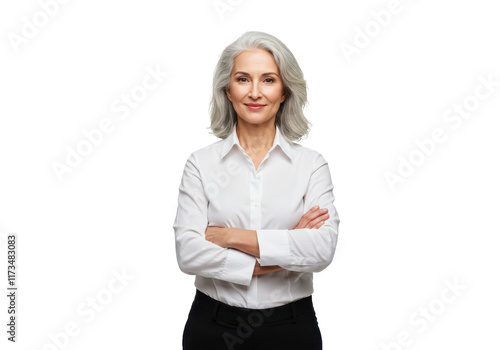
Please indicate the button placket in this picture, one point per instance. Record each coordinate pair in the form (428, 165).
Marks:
(255, 223)
(255, 211)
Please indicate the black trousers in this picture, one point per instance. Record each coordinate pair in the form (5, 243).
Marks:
(212, 324)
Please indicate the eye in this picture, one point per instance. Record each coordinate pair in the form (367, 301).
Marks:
(239, 79)
(272, 80)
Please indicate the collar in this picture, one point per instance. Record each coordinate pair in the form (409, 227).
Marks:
(279, 139)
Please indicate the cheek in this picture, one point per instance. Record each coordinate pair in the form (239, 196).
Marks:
(237, 92)
(275, 94)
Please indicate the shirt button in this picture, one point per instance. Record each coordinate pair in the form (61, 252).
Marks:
(255, 204)
(258, 177)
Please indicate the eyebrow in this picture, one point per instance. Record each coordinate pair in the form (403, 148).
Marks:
(245, 73)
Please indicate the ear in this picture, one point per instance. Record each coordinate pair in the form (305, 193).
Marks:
(228, 94)
(283, 97)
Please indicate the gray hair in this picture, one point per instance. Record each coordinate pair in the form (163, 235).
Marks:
(290, 117)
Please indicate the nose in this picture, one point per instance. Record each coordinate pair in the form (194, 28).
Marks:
(255, 91)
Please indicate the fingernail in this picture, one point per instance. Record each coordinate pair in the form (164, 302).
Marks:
(316, 206)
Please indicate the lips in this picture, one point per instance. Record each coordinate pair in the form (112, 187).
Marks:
(254, 106)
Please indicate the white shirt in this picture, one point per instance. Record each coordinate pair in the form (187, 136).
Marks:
(220, 187)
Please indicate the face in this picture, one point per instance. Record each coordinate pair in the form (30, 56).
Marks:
(255, 87)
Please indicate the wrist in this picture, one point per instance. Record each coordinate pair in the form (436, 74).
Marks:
(230, 237)
(243, 240)
(256, 269)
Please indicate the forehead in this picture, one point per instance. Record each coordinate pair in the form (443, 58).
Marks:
(256, 60)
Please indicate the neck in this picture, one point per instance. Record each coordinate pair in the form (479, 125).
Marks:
(256, 138)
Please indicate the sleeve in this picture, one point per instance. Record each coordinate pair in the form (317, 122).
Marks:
(305, 250)
(196, 255)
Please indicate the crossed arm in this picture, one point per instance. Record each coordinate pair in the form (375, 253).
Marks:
(235, 254)
(247, 240)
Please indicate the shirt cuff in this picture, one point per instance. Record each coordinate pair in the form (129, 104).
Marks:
(274, 247)
(238, 268)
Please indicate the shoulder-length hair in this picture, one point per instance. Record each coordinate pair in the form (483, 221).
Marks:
(290, 117)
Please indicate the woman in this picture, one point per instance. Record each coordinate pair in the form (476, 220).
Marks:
(249, 223)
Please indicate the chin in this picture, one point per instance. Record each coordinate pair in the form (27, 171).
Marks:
(255, 120)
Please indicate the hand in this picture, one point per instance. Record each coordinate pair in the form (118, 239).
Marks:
(217, 235)
(314, 218)
(260, 270)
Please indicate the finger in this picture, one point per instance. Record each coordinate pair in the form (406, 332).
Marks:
(317, 213)
(306, 217)
(312, 210)
(310, 215)
(322, 218)
(313, 222)
(319, 224)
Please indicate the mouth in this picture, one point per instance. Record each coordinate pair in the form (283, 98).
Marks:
(254, 106)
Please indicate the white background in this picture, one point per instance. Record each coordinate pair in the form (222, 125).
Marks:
(115, 210)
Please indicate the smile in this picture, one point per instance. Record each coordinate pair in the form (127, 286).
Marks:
(254, 106)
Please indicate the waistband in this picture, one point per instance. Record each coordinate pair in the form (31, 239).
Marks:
(234, 314)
